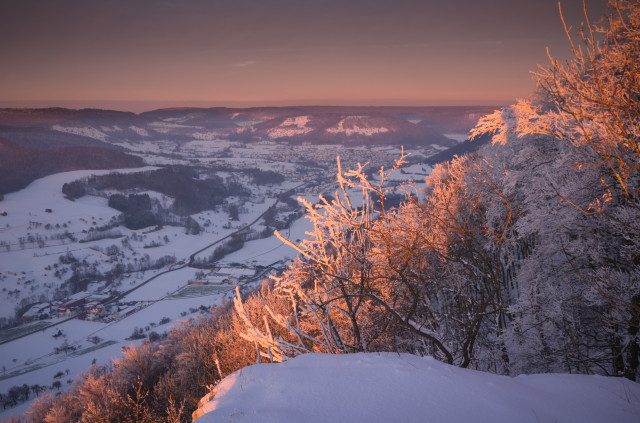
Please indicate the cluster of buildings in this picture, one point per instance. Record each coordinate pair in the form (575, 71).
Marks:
(89, 306)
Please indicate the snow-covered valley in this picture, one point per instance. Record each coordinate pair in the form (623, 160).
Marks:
(137, 284)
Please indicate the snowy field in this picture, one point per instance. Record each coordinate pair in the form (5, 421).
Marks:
(404, 388)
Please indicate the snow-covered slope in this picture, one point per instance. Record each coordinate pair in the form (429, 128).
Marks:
(290, 127)
(85, 131)
(339, 128)
(405, 388)
(356, 125)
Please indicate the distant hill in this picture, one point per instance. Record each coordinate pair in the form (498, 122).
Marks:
(20, 165)
(30, 117)
(348, 129)
(38, 142)
(349, 125)
(45, 138)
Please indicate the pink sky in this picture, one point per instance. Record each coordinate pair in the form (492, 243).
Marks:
(144, 54)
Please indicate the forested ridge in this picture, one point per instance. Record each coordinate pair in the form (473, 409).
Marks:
(522, 257)
(22, 165)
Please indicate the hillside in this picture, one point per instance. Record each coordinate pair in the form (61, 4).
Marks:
(21, 165)
(342, 128)
(58, 127)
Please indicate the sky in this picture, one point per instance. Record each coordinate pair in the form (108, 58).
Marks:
(143, 54)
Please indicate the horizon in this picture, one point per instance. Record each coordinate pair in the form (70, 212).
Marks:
(142, 106)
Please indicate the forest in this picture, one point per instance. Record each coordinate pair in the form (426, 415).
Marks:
(22, 165)
(182, 183)
(522, 257)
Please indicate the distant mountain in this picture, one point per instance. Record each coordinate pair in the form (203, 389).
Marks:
(57, 127)
(20, 165)
(43, 137)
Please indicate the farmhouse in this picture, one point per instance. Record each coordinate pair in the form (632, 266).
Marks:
(94, 310)
(36, 311)
(123, 312)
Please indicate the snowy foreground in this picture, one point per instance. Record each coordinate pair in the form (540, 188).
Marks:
(390, 387)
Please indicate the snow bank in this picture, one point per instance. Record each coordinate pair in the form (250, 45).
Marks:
(391, 387)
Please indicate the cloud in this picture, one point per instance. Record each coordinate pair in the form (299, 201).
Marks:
(243, 64)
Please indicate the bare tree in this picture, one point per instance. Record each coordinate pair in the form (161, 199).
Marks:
(426, 277)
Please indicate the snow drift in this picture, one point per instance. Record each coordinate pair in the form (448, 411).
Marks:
(386, 387)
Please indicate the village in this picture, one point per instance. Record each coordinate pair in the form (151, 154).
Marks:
(107, 306)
